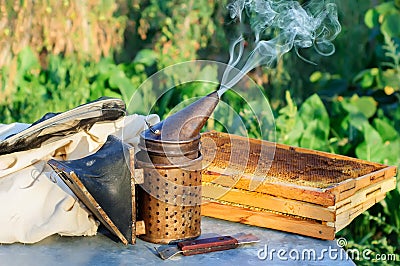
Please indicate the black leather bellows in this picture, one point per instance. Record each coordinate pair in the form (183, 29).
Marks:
(104, 183)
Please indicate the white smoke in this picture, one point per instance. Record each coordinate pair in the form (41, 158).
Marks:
(314, 25)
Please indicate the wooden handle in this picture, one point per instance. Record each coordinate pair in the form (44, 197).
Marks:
(191, 247)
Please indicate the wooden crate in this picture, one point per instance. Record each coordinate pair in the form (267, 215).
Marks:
(285, 188)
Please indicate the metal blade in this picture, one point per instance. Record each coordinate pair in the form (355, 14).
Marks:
(167, 251)
(243, 238)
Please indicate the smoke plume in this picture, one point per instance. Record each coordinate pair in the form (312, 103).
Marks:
(294, 26)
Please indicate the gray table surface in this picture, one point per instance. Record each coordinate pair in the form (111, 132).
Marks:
(101, 250)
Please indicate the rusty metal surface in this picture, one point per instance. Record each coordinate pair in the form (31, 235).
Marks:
(169, 200)
(172, 148)
(158, 159)
(169, 203)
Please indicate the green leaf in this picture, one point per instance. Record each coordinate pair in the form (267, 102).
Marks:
(385, 130)
(96, 89)
(371, 135)
(316, 123)
(146, 57)
(342, 124)
(357, 120)
(390, 77)
(26, 62)
(294, 136)
(136, 106)
(165, 100)
(288, 123)
(119, 80)
(391, 25)
(386, 8)
(366, 77)
(110, 93)
(313, 137)
(105, 67)
(316, 76)
(371, 149)
(313, 109)
(371, 18)
(365, 105)
(392, 149)
(27, 59)
(290, 104)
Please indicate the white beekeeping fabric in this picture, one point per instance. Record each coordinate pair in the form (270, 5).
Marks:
(14, 128)
(34, 202)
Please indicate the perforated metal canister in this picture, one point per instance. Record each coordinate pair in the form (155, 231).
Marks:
(170, 198)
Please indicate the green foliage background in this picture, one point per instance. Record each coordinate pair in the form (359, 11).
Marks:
(347, 104)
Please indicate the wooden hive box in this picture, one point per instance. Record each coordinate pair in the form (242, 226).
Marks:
(296, 190)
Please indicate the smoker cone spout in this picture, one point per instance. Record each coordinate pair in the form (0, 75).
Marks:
(185, 124)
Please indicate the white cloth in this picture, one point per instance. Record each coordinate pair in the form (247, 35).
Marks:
(34, 202)
(7, 130)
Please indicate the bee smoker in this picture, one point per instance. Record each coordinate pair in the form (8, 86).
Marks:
(169, 200)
